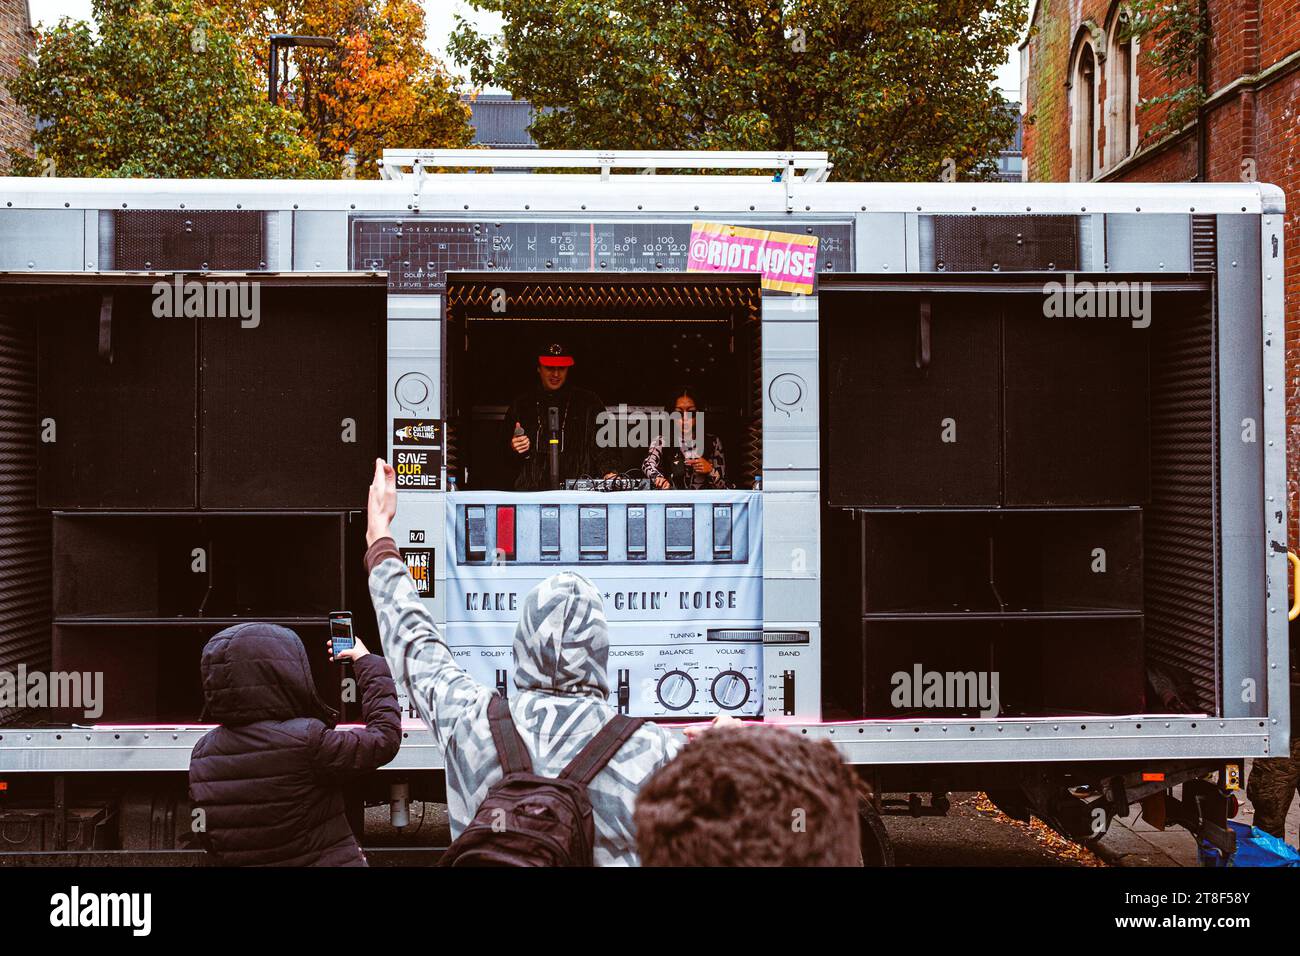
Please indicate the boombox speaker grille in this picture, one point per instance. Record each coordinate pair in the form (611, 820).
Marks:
(167, 239)
(1006, 243)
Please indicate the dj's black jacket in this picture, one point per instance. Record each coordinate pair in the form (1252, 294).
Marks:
(580, 456)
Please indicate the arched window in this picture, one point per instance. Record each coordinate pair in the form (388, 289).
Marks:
(1121, 83)
(1083, 139)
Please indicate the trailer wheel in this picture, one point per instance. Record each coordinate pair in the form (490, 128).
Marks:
(874, 839)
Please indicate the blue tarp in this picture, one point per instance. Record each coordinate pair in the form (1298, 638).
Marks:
(1254, 848)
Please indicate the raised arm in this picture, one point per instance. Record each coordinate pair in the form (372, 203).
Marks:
(371, 746)
(438, 688)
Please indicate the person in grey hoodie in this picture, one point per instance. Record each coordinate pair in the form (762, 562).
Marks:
(561, 650)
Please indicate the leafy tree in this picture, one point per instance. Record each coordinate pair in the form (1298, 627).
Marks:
(1173, 34)
(161, 91)
(893, 89)
(379, 87)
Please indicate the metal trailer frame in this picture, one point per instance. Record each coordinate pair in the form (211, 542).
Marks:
(50, 227)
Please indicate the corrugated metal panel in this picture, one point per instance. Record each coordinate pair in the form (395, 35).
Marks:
(1182, 616)
(754, 434)
(1204, 241)
(584, 299)
(501, 121)
(25, 596)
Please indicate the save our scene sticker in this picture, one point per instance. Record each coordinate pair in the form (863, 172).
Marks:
(420, 465)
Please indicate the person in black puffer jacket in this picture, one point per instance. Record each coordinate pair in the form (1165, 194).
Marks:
(268, 779)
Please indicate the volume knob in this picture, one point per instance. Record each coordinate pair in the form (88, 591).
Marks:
(730, 690)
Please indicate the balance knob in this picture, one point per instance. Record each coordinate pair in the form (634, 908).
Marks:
(676, 690)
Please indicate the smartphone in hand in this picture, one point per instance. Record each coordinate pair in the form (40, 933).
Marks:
(341, 637)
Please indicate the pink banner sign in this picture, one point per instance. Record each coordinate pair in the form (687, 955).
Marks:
(786, 260)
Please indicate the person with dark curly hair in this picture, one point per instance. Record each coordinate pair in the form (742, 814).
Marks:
(750, 795)
(692, 459)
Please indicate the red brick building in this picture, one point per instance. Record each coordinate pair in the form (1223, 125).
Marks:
(1082, 83)
(16, 43)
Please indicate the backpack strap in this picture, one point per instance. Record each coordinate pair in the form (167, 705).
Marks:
(601, 748)
(510, 748)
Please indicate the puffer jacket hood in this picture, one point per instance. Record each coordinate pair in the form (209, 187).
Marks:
(259, 671)
(562, 640)
(271, 778)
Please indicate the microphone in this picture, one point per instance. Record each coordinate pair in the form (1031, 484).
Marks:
(553, 443)
(679, 472)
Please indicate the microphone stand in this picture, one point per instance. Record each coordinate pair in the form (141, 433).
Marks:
(553, 444)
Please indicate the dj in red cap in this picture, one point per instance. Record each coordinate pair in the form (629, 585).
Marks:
(552, 429)
(555, 356)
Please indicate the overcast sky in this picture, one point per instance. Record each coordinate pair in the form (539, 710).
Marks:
(440, 17)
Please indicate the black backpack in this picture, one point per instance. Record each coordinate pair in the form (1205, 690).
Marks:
(527, 820)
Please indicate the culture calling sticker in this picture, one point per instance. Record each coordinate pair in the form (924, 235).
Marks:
(417, 431)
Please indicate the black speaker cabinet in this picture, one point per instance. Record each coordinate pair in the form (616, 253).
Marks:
(162, 566)
(1076, 410)
(1042, 668)
(117, 421)
(292, 408)
(1002, 562)
(913, 400)
(151, 673)
(929, 563)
